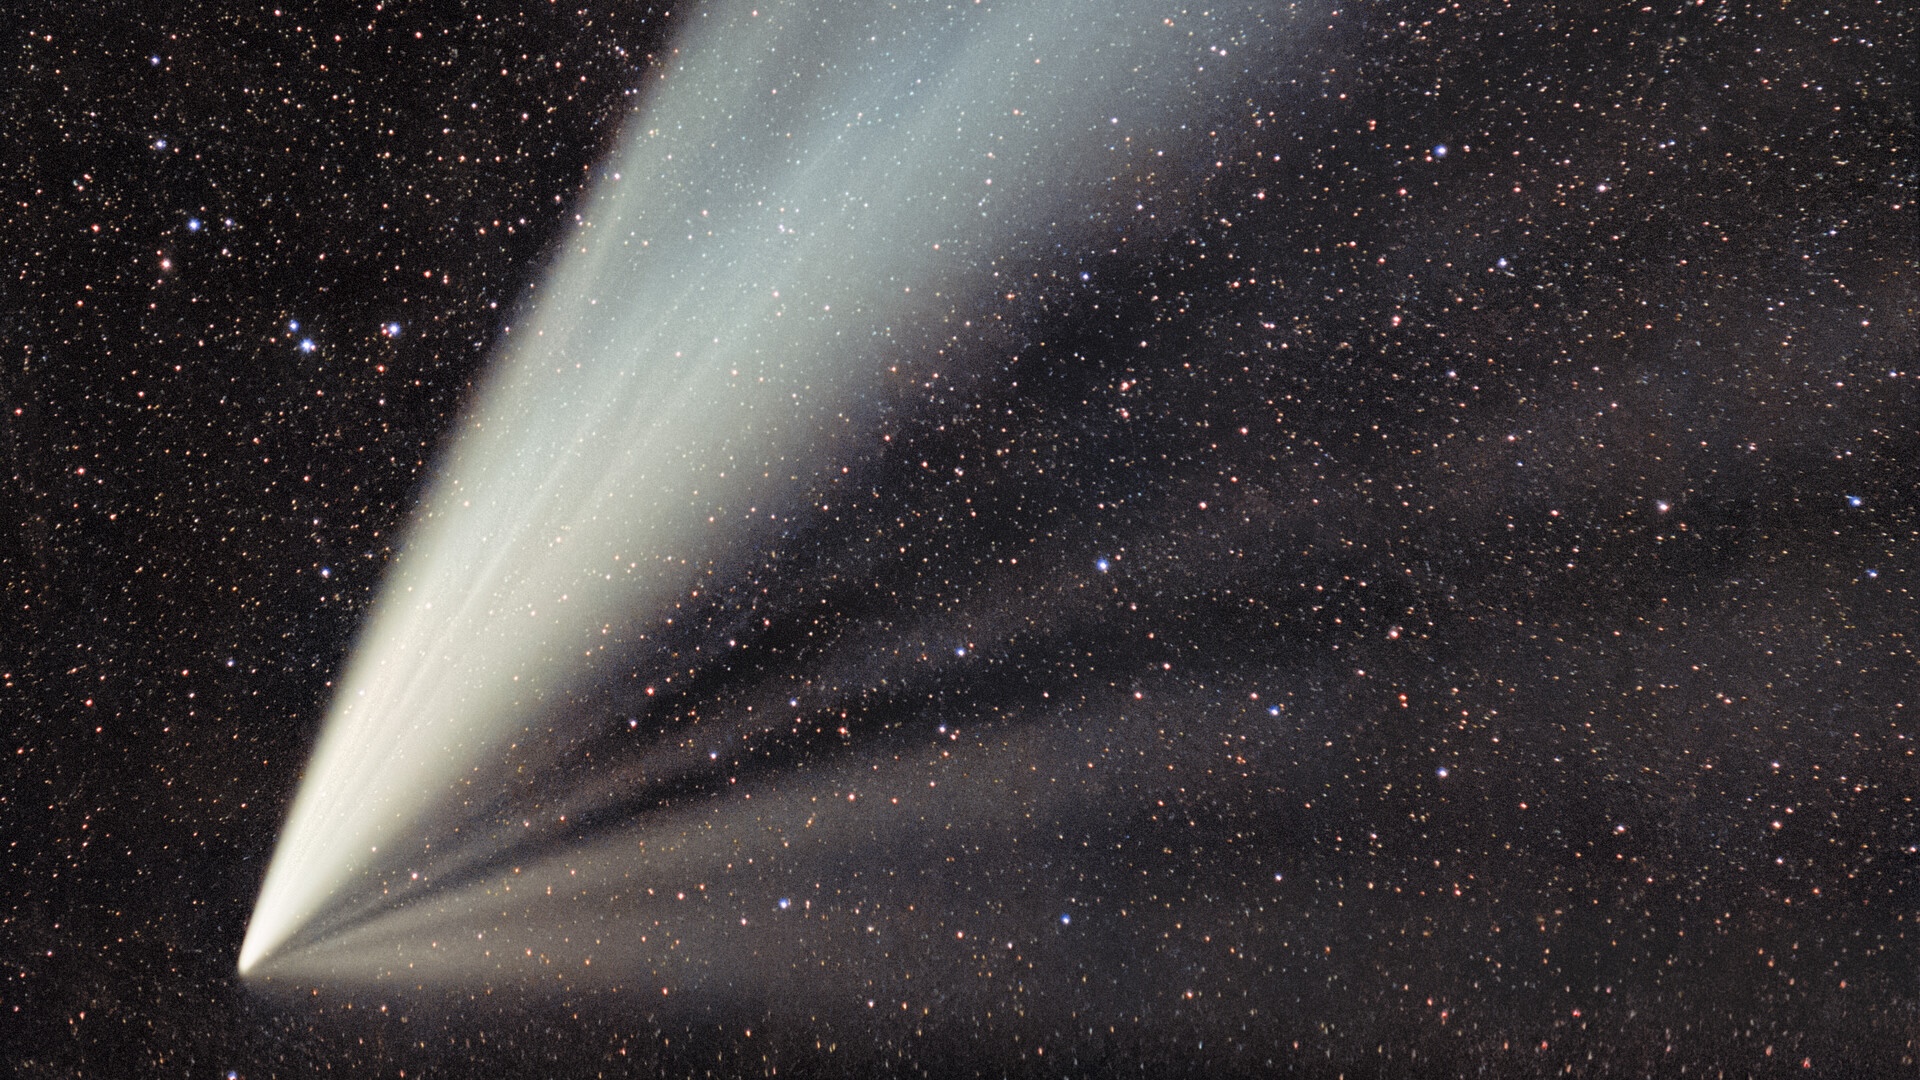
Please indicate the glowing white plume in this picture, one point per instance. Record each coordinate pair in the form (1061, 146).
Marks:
(804, 178)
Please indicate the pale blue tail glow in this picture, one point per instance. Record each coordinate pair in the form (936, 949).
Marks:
(802, 180)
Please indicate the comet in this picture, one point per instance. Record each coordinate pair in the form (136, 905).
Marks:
(811, 195)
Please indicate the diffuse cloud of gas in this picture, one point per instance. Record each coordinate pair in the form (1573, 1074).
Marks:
(801, 178)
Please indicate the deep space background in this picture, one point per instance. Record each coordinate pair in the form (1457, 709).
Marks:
(1462, 522)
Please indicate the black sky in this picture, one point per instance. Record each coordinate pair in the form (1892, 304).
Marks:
(1471, 498)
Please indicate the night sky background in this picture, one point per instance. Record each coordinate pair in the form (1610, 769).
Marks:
(1467, 511)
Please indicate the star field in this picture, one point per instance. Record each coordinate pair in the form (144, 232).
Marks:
(1417, 579)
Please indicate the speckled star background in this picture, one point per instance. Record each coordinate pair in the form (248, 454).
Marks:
(1422, 584)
